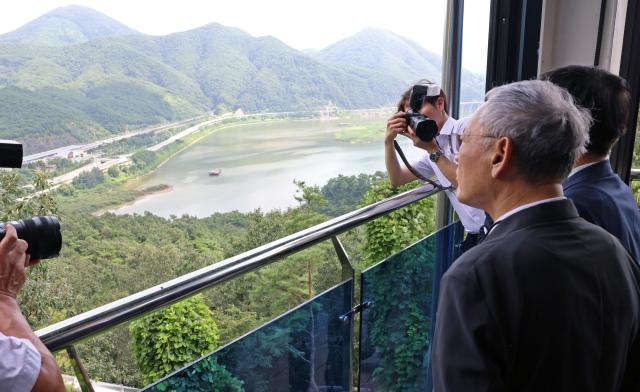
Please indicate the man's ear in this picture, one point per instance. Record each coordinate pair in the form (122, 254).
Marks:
(502, 157)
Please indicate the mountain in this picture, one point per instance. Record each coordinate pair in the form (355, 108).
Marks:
(382, 51)
(58, 95)
(79, 92)
(67, 25)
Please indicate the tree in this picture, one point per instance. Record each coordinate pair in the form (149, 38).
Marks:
(396, 230)
(343, 193)
(143, 158)
(113, 171)
(170, 338)
(89, 179)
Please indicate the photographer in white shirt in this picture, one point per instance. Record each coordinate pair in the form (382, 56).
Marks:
(439, 160)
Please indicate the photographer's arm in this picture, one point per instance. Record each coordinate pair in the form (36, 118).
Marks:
(398, 174)
(446, 166)
(14, 324)
(13, 261)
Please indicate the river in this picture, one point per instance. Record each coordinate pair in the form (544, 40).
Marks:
(259, 163)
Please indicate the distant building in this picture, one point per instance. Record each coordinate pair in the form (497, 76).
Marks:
(329, 112)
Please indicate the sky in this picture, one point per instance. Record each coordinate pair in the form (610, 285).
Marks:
(298, 23)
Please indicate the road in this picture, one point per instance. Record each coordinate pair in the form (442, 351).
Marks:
(188, 131)
(64, 151)
(101, 163)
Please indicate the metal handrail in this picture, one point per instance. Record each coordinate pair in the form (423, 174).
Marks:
(64, 333)
(635, 175)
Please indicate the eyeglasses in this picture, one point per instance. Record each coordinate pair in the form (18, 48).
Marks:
(464, 137)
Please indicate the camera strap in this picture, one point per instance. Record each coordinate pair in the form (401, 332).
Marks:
(415, 172)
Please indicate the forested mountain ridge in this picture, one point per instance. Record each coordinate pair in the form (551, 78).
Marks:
(67, 25)
(385, 52)
(56, 95)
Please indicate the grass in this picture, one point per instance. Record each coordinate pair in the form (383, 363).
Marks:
(366, 133)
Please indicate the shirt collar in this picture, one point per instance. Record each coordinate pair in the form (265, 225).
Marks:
(524, 207)
(581, 167)
(449, 125)
(542, 211)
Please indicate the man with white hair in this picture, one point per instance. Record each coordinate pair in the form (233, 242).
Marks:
(548, 301)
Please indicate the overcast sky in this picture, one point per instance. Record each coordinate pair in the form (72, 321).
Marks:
(298, 23)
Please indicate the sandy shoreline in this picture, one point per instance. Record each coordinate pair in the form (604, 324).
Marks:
(143, 195)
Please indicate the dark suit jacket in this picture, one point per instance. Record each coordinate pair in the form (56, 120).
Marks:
(603, 199)
(547, 302)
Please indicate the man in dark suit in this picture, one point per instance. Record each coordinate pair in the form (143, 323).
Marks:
(597, 192)
(548, 301)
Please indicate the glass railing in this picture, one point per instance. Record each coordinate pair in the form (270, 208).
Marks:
(396, 324)
(305, 349)
(309, 348)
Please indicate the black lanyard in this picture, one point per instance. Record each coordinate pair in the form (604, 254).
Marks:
(415, 172)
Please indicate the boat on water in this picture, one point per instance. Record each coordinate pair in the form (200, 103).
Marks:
(215, 172)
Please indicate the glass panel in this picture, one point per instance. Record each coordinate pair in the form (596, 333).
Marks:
(635, 166)
(306, 349)
(396, 325)
(475, 40)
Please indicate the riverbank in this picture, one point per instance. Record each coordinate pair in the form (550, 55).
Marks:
(147, 192)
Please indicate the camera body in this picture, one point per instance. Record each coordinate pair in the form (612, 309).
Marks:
(424, 127)
(42, 233)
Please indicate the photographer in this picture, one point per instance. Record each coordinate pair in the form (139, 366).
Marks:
(25, 363)
(439, 161)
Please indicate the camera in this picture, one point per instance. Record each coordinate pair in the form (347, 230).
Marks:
(42, 233)
(424, 127)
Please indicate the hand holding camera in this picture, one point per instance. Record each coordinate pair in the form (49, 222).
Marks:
(396, 125)
(41, 233)
(13, 262)
(423, 127)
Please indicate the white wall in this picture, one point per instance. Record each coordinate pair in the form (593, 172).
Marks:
(569, 33)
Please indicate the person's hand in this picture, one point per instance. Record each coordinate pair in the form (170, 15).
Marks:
(396, 125)
(431, 146)
(13, 262)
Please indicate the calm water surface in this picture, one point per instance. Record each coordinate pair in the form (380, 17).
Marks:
(259, 163)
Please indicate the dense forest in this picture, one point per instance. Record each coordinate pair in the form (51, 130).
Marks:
(107, 257)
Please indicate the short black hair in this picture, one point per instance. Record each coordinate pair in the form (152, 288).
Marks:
(605, 95)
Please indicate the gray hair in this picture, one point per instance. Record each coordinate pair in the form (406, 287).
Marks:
(549, 132)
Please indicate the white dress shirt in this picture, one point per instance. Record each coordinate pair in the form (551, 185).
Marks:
(19, 364)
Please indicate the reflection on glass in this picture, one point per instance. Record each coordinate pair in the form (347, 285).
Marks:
(395, 327)
(306, 349)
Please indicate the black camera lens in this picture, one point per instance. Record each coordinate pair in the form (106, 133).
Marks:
(42, 233)
(425, 128)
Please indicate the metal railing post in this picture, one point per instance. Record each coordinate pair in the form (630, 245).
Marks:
(80, 371)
